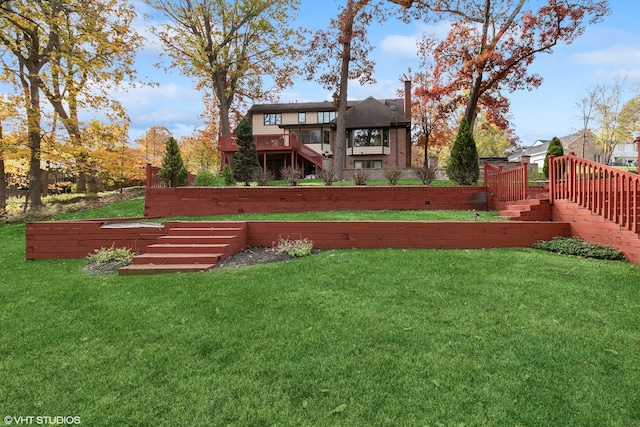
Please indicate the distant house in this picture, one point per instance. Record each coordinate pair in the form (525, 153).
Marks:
(303, 135)
(580, 143)
(625, 154)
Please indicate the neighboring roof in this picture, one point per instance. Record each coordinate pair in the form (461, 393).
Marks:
(542, 145)
(374, 113)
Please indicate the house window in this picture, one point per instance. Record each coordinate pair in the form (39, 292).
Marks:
(307, 136)
(369, 137)
(326, 116)
(272, 119)
(302, 117)
(367, 164)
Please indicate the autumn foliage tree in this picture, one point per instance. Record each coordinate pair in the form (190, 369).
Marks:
(230, 47)
(491, 44)
(56, 47)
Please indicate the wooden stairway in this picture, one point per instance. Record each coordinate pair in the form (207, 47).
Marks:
(528, 210)
(189, 247)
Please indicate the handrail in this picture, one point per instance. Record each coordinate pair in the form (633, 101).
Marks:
(506, 185)
(609, 192)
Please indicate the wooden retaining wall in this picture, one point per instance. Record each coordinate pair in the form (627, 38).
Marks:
(403, 234)
(202, 201)
(594, 228)
(77, 239)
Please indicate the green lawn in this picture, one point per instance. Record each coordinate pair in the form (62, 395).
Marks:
(513, 337)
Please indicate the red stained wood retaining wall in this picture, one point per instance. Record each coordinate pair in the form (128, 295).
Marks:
(594, 228)
(76, 239)
(402, 234)
(202, 201)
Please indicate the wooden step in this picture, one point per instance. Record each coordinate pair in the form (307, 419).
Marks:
(139, 269)
(187, 248)
(207, 240)
(202, 231)
(176, 258)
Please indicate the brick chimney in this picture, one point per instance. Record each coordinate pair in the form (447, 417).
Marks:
(407, 99)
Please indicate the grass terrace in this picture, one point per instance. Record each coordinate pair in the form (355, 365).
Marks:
(507, 337)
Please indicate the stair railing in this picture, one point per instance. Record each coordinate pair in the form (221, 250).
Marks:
(508, 185)
(606, 191)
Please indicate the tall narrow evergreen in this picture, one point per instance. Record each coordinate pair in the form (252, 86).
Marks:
(555, 149)
(245, 161)
(173, 168)
(463, 167)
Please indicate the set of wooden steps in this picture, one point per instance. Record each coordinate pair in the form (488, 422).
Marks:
(189, 247)
(528, 210)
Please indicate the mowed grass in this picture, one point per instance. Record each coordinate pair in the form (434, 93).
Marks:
(135, 207)
(513, 337)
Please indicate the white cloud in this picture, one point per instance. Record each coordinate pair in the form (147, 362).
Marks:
(615, 55)
(402, 46)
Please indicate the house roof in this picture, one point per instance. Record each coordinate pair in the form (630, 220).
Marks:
(296, 106)
(367, 113)
(374, 113)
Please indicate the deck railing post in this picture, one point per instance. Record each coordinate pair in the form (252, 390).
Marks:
(552, 178)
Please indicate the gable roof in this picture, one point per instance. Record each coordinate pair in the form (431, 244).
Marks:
(373, 113)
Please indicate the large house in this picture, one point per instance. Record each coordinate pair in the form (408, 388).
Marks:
(580, 143)
(303, 135)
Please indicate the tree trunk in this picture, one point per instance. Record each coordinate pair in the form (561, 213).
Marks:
(472, 104)
(34, 139)
(346, 33)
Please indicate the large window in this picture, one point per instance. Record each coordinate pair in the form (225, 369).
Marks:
(326, 116)
(308, 136)
(272, 119)
(369, 138)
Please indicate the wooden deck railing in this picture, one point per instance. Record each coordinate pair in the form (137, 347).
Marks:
(274, 142)
(506, 185)
(606, 191)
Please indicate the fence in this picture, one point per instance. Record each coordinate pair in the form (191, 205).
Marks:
(506, 185)
(605, 191)
(154, 180)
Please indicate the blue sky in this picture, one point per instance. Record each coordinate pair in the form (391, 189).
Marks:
(606, 50)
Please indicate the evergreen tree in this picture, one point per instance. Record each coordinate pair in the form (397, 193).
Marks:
(463, 167)
(173, 168)
(555, 149)
(245, 161)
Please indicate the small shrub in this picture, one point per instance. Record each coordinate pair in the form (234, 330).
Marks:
(392, 173)
(291, 175)
(207, 179)
(578, 247)
(328, 175)
(295, 248)
(425, 174)
(118, 256)
(227, 175)
(262, 177)
(360, 177)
